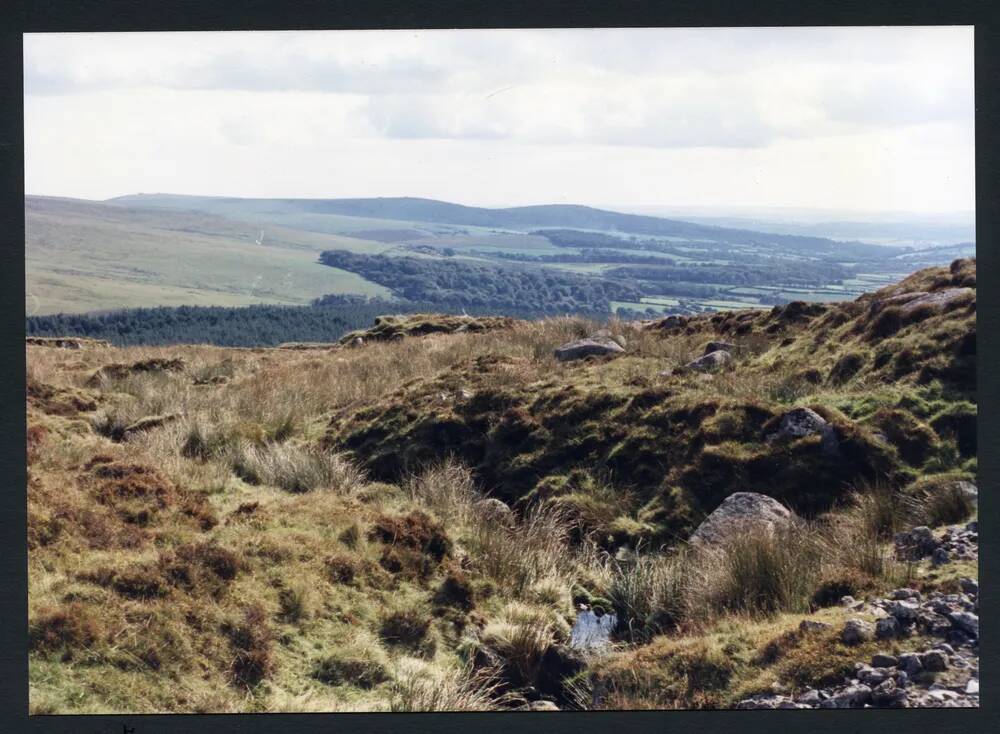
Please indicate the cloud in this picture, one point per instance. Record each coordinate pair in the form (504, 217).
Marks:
(499, 106)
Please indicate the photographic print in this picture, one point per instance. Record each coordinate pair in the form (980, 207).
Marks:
(501, 370)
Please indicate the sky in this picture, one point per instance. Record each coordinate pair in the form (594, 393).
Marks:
(856, 119)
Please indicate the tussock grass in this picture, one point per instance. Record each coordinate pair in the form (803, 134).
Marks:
(272, 574)
(419, 686)
(293, 468)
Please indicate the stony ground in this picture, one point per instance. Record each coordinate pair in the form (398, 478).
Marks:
(942, 673)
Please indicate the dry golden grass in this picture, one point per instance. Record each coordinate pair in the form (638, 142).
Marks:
(271, 574)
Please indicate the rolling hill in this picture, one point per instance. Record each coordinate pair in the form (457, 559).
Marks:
(163, 250)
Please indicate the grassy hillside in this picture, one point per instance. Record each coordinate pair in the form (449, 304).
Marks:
(304, 530)
(83, 256)
(514, 218)
(165, 250)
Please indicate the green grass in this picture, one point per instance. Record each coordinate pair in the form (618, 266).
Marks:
(82, 256)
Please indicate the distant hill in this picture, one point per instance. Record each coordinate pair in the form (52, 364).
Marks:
(514, 218)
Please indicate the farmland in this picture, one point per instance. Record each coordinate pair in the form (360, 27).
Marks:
(162, 250)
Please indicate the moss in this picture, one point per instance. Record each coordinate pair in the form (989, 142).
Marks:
(846, 367)
(915, 440)
(958, 421)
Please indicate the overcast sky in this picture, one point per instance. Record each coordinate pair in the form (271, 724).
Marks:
(848, 118)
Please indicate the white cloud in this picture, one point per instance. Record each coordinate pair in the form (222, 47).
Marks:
(775, 116)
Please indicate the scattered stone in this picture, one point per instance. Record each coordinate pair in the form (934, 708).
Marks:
(884, 660)
(910, 663)
(800, 422)
(147, 424)
(582, 348)
(969, 586)
(888, 694)
(847, 601)
(886, 628)
(972, 687)
(605, 334)
(710, 361)
(916, 544)
(856, 631)
(905, 594)
(495, 511)
(903, 610)
(873, 676)
(934, 660)
(938, 300)
(541, 706)
(718, 347)
(65, 342)
(966, 622)
(807, 626)
(738, 512)
(940, 557)
(852, 697)
(810, 697)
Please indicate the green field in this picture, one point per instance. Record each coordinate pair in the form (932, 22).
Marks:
(165, 250)
(82, 256)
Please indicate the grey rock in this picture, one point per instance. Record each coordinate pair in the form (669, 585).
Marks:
(542, 706)
(800, 422)
(915, 544)
(969, 586)
(883, 660)
(856, 631)
(847, 601)
(937, 300)
(932, 624)
(910, 663)
(905, 594)
(972, 687)
(934, 660)
(904, 610)
(710, 361)
(854, 696)
(582, 348)
(965, 621)
(873, 676)
(604, 334)
(811, 625)
(718, 347)
(495, 511)
(940, 557)
(810, 697)
(888, 695)
(740, 512)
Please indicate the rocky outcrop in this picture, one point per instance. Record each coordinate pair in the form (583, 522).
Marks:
(718, 347)
(118, 371)
(802, 422)
(495, 511)
(711, 361)
(957, 542)
(147, 424)
(908, 303)
(65, 342)
(739, 512)
(581, 348)
(941, 673)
